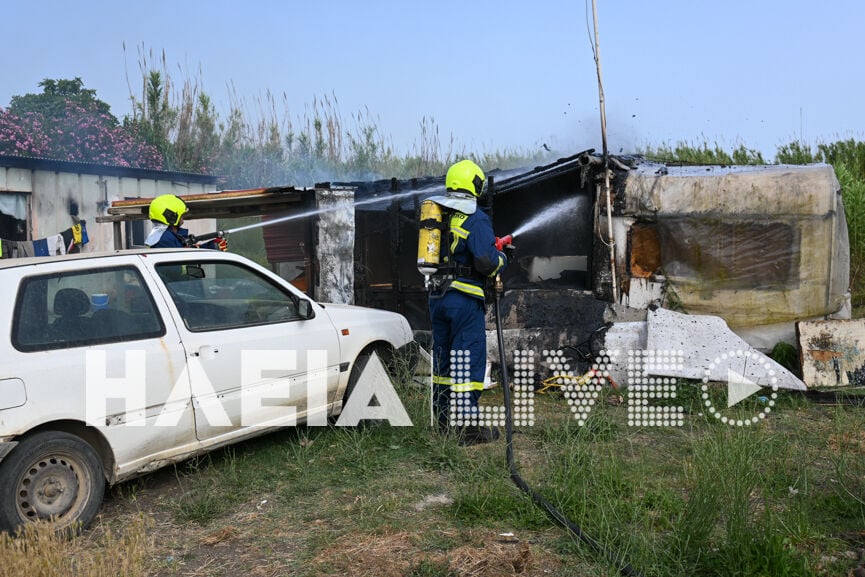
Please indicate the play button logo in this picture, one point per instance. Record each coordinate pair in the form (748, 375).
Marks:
(739, 388)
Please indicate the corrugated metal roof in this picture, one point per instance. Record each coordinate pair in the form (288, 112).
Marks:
(37, 163)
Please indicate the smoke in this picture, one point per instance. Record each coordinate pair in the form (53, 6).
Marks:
(584, 132)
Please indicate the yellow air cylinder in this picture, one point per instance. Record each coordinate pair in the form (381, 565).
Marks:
(429, 238)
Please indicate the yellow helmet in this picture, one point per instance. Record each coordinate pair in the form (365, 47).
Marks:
(465, 176)
(167, 209)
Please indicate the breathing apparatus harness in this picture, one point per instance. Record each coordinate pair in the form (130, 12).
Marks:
(434, 259)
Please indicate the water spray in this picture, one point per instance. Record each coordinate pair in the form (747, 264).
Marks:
(194, 239)
(548, 214)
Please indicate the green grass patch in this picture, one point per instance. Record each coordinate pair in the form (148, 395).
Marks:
(782, 497)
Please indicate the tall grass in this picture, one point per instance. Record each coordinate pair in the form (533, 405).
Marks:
(702, 153)
(263, 142)
(782, 499)
(38, 550)
(725, 527)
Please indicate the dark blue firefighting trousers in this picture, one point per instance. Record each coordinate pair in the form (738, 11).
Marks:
(459, 354)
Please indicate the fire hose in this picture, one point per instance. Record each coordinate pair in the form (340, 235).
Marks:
(538, 499)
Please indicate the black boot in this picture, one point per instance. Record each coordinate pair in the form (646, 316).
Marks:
(477, 435)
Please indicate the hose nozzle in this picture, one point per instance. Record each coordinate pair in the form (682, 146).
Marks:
(502, 242)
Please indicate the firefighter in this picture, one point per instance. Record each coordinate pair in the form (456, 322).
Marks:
(457, 305)
(166, 213)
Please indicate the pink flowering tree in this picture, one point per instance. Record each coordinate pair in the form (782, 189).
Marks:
(22, 135)
(67, 122)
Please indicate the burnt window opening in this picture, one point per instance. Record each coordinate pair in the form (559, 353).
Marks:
(717, 255)
(289, 247)
(386, 275)
(13, 215)
(555, 250)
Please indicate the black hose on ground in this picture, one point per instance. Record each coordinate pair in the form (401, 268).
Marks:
(623, 567)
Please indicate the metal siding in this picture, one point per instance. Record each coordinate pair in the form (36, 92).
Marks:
(16, 179)
(146, 188)
(130, 188)
(286, 242)
(166, 187)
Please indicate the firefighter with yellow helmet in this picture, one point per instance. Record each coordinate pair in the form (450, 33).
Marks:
(166, 213)
(470, 258)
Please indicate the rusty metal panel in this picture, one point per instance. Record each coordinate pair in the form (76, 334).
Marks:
(288, 241)
(645, 250)
(832, 352)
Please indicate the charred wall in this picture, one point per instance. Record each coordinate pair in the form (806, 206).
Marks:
(556, 249)
(548, 286)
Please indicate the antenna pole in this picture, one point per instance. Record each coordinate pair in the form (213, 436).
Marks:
(612, 242)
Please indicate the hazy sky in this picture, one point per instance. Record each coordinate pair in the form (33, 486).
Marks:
(493, 75)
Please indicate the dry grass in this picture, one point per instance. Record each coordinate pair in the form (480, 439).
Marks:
(102, 552)
(402, 553)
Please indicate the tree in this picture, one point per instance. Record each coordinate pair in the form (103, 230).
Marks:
(154, 117)
(55, 94)
(68, 122)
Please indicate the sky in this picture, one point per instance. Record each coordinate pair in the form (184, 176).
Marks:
(490, 76)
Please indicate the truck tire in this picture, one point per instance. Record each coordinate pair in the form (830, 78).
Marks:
(54, 477)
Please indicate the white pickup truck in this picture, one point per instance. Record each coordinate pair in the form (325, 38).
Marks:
(115, 364)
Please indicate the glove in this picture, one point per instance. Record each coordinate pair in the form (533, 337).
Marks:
(509, 251)
(221, 243)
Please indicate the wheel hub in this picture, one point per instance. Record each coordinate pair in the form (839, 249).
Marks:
(48, 489)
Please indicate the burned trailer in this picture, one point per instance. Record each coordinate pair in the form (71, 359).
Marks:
(549, 300)
(761, 247)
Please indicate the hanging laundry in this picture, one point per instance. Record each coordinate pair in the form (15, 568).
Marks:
(67, 242)
(79, 233)
(25, 248)
(40, 247)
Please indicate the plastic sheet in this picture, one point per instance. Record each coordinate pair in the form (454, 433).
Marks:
(753, 245)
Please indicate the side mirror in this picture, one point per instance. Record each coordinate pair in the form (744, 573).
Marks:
(304, 309)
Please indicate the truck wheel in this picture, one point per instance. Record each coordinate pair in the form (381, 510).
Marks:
(51, 476)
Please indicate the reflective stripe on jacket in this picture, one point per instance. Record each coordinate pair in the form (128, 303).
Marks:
(473, 244)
